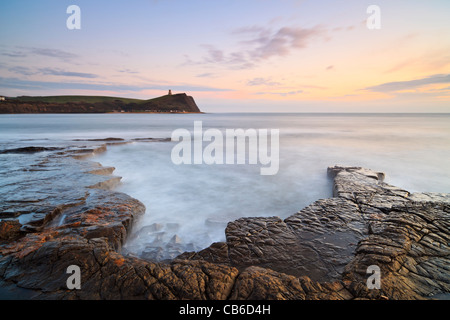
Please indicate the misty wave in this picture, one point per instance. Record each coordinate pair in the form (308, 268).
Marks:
(189, 206)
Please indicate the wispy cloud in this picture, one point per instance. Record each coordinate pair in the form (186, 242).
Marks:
(128, 71)
(233, 60)
(59, 72)
(14, 54)
(23, 52)
(206, 75)
(350, 27)
(281, 42)
(262, 82)
(411, 84)
(259, 44)
(54, 53)
(26, 71)
(14, 83)
(22, 70)
(282, 94)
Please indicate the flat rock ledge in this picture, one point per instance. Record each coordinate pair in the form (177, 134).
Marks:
(321, 252)
(333, 242)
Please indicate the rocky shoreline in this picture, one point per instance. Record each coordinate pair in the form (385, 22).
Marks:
(321, 252)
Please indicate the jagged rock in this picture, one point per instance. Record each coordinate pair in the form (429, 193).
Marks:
(411, 246)
(320, 252)
(10, 230)
(152, 253)
(318, 241)
(151, 228)
(216, 253)
(103, 171)
(105, 274)
(368, 222)
(29, 150)
(175, 240)
(256, 283)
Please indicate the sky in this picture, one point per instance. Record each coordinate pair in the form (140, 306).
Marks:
(234, 56)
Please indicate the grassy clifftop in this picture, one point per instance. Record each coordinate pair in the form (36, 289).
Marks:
(177, 103)
(68, 99)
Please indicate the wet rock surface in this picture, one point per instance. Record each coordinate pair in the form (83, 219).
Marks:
(367, 223)
(320, 252)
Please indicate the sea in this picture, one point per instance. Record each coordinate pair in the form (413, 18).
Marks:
(191, 204)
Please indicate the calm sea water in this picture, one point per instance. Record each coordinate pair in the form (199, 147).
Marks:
(194, 202)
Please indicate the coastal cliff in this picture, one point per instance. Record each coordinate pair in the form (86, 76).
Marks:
(176, 103)
(321, 252)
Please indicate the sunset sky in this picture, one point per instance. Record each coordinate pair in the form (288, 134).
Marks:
(234, 56)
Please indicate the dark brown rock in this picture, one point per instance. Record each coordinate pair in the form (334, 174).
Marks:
(367, 223)
(257, 283)
(10, 230)
(320, 252)
(105, 274)
(29, 150)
